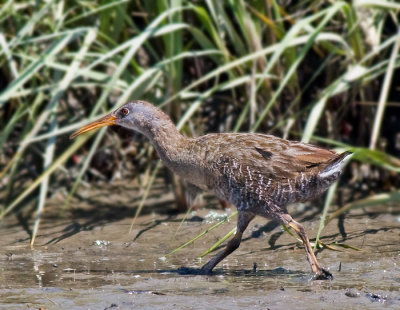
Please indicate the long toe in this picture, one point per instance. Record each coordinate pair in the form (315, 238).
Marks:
(323, 275)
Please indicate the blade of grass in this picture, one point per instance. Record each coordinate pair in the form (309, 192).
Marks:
(189, 210)
(327, 204)
(374, 200)
(201, 235)
(48, 158)
(5, 7)
(219, 242)
(342, 245)
(95, 11)
(392, 5)
(9, 57)
(384, 93)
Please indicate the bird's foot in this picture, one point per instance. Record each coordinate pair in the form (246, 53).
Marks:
(207, 268)
(205, 271)
(323, 274)
(191, 271)
(195, 271)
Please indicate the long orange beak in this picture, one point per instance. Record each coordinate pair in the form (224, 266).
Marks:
(104, 121)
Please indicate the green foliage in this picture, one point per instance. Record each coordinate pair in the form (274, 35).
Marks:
(286, 69)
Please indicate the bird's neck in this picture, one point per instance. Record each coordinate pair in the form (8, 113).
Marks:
(167, 140)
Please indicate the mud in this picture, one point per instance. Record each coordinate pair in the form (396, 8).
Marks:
(85, 258)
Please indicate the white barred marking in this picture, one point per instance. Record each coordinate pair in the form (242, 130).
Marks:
(249, 172)
(290, 185)
(261, 178)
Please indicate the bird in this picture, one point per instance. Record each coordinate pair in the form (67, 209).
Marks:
(259, 174)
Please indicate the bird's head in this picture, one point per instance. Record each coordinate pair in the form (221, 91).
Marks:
(137, 115)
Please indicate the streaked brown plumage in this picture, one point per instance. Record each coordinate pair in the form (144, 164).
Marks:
(259, 174)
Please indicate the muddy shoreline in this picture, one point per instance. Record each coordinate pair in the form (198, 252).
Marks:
(86, 259)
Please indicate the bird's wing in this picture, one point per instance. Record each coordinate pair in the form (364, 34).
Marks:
(295, 159)
(273, 157)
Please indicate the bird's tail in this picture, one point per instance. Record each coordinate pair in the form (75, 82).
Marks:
(336, 165)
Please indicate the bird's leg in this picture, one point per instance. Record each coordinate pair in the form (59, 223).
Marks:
(320, 273)
(244, 219)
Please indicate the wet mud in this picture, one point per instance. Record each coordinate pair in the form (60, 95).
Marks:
(85, 258)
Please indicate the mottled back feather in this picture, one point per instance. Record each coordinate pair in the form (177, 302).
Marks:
(271, 156)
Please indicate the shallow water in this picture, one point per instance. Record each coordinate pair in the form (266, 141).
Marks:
(86, 259)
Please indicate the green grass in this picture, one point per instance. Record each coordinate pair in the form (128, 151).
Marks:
(296, 71)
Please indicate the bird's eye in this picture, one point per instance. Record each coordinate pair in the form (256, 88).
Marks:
(125, 111)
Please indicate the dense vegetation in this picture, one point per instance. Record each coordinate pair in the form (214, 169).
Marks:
(320, 71)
